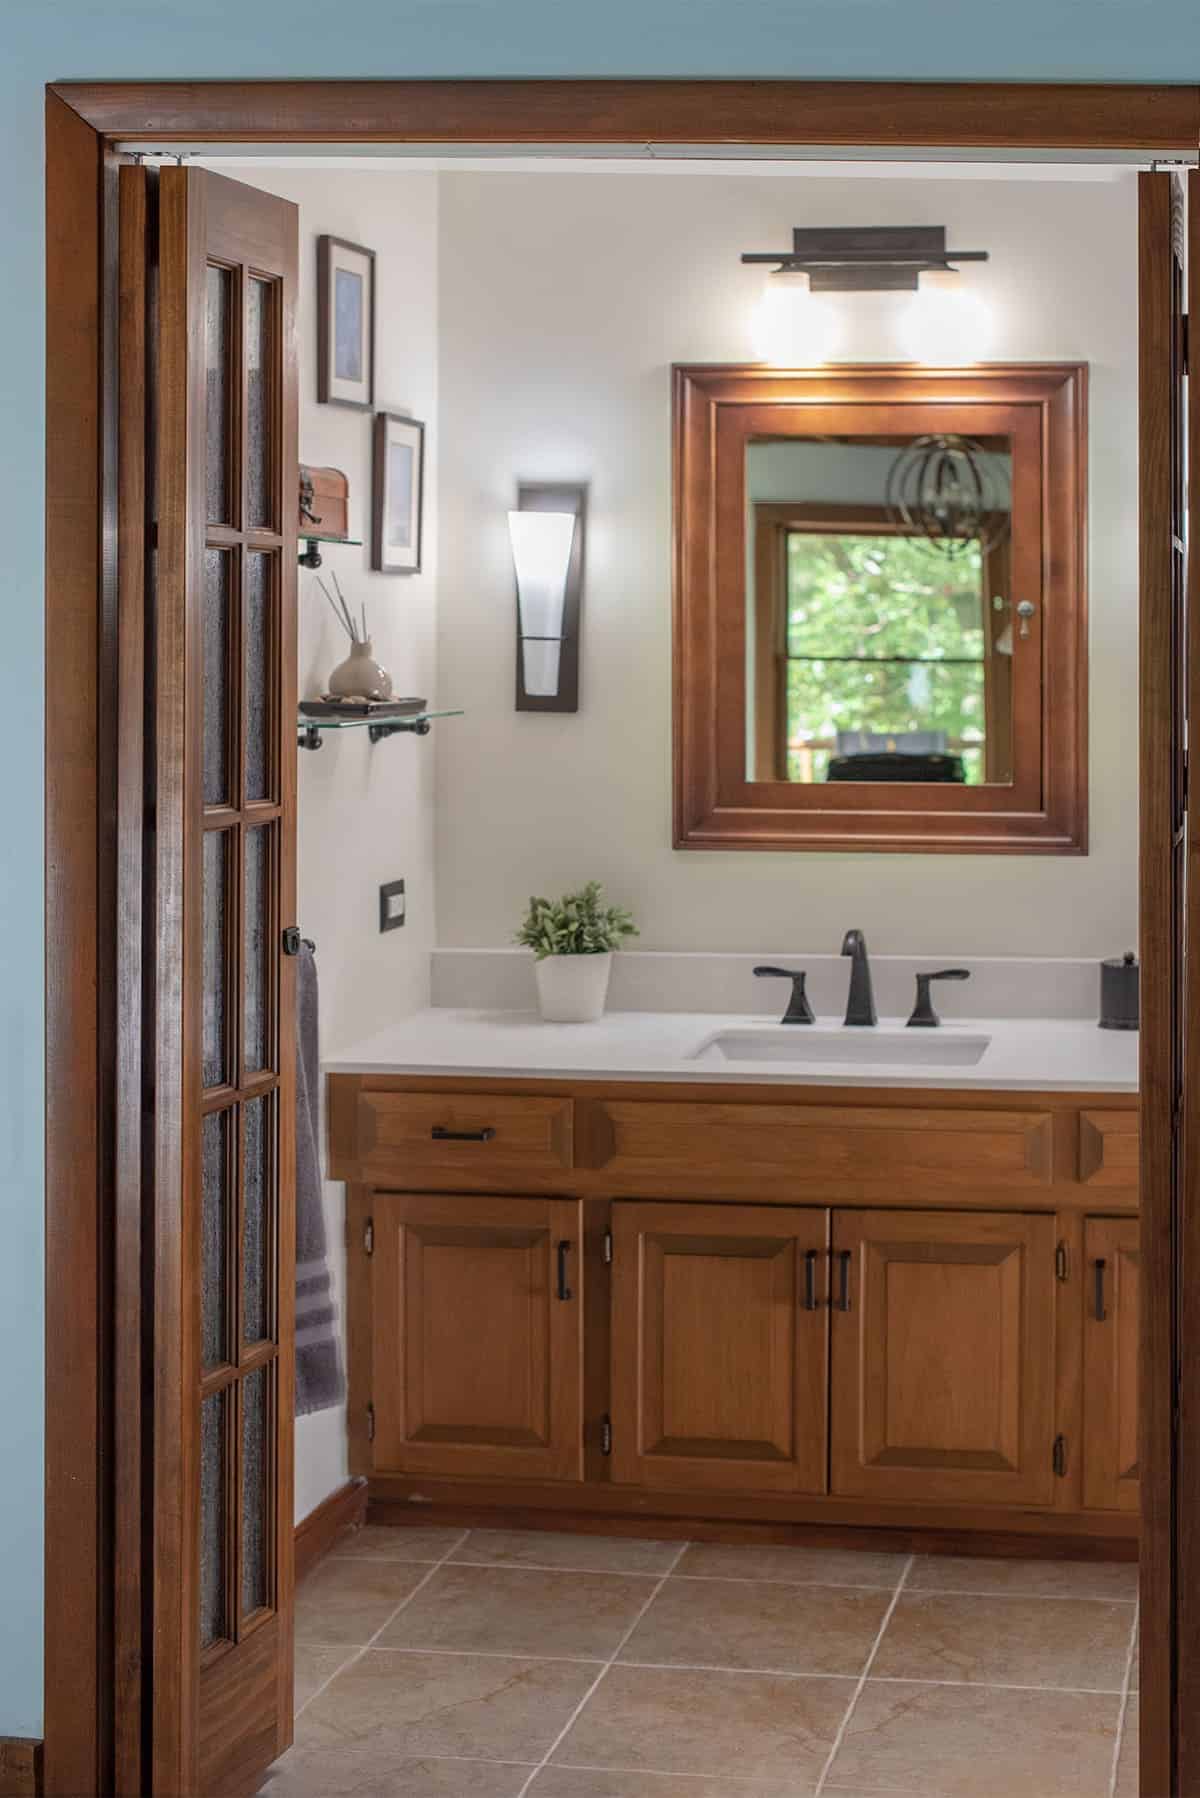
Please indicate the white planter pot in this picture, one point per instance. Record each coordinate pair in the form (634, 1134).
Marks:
(572, 988)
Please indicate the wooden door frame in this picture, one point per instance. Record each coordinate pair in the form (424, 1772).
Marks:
(96, 1680)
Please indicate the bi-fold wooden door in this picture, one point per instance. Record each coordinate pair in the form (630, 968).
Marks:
(1169, 578)
(216, 286)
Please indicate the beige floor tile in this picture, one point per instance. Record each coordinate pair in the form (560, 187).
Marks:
(520, 1610)
(1127, 1766)
(346, 1601)
(796, 1566)
(1041, 1579)
(412, 1706)
(723, 1725)
(315, 1667)
(365, 1771)
(718, 1623)
(1135, 1671)
(548, 1548)
(388, 1542)
(964, 1742)
(1068, 1643)
(576, 1782)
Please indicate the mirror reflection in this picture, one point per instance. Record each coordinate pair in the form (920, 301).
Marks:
(880, 616)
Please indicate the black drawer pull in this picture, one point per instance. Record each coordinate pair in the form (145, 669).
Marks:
(810, 1279)
(1101, 1313)
(564, 1291)
(843, 1302)
(440, 1133)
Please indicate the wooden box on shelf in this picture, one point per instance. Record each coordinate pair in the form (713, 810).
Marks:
(324, 502)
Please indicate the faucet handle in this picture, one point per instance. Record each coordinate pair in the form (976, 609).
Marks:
(799, 1010)
(923, 1012)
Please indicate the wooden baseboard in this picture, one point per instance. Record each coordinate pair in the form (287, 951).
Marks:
(20, 1767)
(317, 1533)
(599, 1510)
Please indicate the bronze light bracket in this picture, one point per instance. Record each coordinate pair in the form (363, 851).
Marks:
(866, 258)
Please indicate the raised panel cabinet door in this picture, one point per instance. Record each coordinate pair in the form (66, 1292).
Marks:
(942, 1344)
(1110, 1364)
(720, 1347)
(477, 1307)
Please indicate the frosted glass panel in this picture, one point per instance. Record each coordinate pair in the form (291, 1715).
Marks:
(256, 1496)
(258, 675)
(259, 422)
(214, 1238)
(214, 1548)
(215, 1057)
(215, 695)
(258, 958)
(256, 1217)
(219, 312)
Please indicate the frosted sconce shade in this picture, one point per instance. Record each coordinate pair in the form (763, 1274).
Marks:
(546, 532)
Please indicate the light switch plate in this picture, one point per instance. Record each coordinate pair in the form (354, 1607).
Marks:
(391, 905)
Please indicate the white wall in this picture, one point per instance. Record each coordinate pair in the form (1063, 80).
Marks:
(564, 300)
(365, 811)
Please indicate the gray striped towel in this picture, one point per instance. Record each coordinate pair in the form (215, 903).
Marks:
(320, 1381)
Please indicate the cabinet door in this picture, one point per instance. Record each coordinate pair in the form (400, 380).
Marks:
(720, 1347)
(943, 1356)
(1110, 1364)
(476, 1322)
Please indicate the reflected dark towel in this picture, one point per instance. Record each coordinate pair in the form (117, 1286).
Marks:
(320, 1381)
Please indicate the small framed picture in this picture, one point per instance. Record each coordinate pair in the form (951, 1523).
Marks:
(399, 494)
(345, 323)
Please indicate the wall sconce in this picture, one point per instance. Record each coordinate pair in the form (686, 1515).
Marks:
(547, 531)
(866, 258)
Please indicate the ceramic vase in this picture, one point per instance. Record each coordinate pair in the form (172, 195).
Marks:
(360, 676)
(572, 989)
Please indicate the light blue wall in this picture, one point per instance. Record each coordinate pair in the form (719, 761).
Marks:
(1119, 40)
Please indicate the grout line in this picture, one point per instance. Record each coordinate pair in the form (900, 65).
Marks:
(358, 1652)
(497, 1654)
(545, 1567)
(1123, 1713)
(732, 1779)
(862, 1678)
(577, 1712)
(994, 1685)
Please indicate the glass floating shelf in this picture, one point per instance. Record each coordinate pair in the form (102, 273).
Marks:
(310, 554)
(417, 724)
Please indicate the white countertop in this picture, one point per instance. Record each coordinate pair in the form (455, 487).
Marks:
(1024, 1054)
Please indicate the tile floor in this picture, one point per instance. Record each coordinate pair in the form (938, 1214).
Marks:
(437, 1663)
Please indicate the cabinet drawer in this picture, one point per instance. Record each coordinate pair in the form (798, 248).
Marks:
(836, 1151)
(381, 1136)
(1109, 1144)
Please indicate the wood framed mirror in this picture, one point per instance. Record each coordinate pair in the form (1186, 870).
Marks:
(880, 609)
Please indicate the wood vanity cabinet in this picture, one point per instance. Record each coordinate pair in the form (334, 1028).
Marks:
(903, 1310)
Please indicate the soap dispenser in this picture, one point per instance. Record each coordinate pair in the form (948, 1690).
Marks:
(1119, 984)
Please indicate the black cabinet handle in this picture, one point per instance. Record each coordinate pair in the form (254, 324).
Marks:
(564, 1291)
(810, 1279)
(1101, 1313)
(440, 1133)
(843, 1303)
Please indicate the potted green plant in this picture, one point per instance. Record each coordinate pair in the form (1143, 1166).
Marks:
(573, 939)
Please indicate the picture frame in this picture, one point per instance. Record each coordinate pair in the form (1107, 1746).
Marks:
(398, 493)
(345, 323)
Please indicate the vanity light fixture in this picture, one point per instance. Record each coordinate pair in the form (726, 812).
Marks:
(546, 532)
(866, 258)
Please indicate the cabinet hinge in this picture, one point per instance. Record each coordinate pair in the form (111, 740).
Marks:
(369, 1237)
(608, 1247)
(1059, 1458)
(1060, 1261)
(606, 1435)
(370, 1423)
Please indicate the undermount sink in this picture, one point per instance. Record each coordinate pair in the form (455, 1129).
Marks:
(874, 1046)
